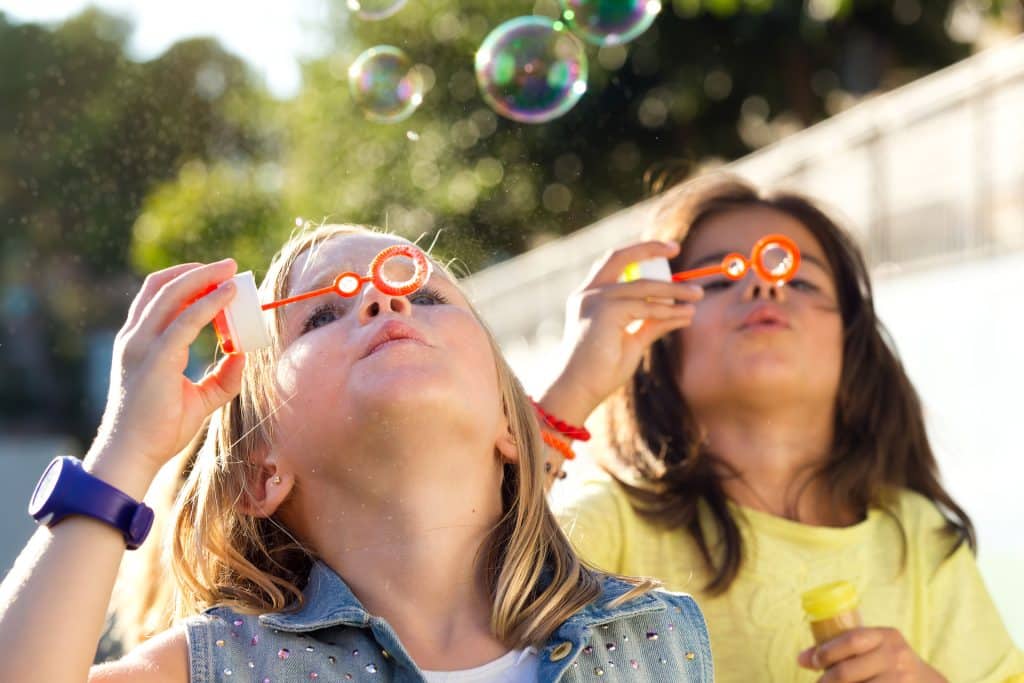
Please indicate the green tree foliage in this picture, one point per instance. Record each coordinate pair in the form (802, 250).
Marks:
(85, 135)
(110, 167)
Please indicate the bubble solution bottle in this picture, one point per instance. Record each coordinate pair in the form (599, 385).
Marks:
(832, 610)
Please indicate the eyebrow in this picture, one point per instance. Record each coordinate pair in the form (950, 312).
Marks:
(717, 257)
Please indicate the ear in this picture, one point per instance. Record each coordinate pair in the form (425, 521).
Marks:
(505, 443)
(268, 488)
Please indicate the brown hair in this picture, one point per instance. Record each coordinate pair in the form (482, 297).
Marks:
(879, 440)
(224, 557)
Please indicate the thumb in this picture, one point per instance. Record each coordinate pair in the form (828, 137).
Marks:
(223, 383)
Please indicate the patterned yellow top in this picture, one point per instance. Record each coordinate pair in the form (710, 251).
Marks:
(939, 603)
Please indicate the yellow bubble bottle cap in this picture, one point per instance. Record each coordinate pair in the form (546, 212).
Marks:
(830, 600)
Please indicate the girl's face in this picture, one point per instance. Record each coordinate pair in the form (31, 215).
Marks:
(386, 365)
(753, 341)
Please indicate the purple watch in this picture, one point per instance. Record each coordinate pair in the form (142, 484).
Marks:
(67, 489)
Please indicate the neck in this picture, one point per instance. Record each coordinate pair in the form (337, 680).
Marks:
(405, 534)
(775, 450)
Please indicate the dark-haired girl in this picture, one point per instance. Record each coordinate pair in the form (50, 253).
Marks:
(767, 440)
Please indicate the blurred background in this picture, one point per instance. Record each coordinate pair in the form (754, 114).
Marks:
(135, 135)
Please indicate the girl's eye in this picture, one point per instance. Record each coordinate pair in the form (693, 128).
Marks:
(426, 296)
(803, 285)
(717, 285)
(320, 316)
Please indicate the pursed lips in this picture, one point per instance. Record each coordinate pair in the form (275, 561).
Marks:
(390, 331)
(765, 316)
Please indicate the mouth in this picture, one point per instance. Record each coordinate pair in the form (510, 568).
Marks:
(765, 318)
(393, 333)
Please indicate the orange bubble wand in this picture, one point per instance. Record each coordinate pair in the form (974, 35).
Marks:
(241, 327)
(734, 266)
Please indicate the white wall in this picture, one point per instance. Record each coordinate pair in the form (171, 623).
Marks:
(960, 332)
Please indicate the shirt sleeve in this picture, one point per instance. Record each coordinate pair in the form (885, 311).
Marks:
(969, 641)
(590, 516)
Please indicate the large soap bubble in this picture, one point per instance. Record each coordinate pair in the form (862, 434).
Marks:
(375, 10)
(385, 84)
(531, 69)
(610, 22)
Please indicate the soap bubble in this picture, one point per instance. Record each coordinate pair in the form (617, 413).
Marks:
(531, 69)
(375, 10)
(385, 84)
(610, 22)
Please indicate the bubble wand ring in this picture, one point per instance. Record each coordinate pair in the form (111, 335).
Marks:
(420, 275)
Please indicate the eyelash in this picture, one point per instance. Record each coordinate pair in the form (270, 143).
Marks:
(797, 283)
(338, 310)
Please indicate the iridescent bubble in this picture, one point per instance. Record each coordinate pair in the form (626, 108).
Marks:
(610, 22)
(531, 69)
(375, 10)
(385, 84)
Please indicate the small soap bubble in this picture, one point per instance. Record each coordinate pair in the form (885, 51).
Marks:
(610, 22)
(531, 69)
(375, 10)
(385, 84)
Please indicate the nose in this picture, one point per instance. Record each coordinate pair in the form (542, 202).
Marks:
(375, 302)
(756, 288)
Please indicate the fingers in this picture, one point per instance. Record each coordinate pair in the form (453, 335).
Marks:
(652, 330)
(857, 669)
(152, 285)
(175, 295)
(190, 322)
(222, 383)
(622, 312)
(653, 289)
(853, 643)
(609, 270)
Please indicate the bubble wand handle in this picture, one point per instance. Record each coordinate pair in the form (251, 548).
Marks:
(728, 267)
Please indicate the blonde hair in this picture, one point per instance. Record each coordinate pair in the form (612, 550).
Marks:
(222, 556)
(142, 603)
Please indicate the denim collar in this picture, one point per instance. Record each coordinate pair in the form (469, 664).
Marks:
(328, 602)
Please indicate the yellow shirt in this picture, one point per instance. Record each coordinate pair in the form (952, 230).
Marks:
(757, 627)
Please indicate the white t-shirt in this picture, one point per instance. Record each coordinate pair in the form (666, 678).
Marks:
(517, 666)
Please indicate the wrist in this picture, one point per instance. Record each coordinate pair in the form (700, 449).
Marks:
(122, 468)
(567, 402)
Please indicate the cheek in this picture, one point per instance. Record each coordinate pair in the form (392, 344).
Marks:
(307, 371)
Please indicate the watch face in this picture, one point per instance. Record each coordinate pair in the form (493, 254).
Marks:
(45, 486)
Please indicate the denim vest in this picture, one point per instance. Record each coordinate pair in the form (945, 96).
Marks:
(658, 637)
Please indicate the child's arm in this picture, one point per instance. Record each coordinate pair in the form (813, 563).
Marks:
(604, 342)
(53, 602)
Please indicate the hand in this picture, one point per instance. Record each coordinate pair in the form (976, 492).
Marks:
(153, 410)
(604, 353)
(878, 655)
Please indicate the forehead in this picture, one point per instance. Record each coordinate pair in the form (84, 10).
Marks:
(740, 229)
